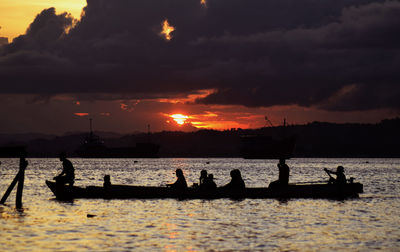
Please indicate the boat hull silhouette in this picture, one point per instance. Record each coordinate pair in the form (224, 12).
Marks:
(64, 192)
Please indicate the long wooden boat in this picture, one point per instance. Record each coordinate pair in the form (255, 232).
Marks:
(64, 192)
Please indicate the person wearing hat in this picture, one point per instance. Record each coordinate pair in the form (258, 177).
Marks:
(67, 176)
(340, 177)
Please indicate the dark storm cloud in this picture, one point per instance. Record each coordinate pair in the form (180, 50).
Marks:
(346, 64)
(335, 55)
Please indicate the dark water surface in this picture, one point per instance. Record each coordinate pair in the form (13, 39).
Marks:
(45, 224)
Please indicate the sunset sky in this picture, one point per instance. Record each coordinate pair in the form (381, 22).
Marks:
(192, 64)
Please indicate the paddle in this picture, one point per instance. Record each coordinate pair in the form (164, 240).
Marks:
(327, 171)
(314, 182)
(309, 182)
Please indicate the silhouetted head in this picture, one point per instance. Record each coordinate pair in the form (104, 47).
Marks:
(63, 156)
(179, 173)
(210, 176)
(340, 169)
(203, 173)
(107, 181)
(235, 174)
(281, 161)
(238, 174)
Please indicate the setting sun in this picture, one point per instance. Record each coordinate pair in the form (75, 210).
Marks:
(179, 118)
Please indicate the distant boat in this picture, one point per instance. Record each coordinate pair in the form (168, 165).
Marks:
(94, 147)
(261, 146)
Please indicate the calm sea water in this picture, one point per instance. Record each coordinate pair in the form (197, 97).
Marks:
(371, 222)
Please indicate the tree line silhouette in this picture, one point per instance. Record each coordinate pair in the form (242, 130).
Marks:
(316, 139)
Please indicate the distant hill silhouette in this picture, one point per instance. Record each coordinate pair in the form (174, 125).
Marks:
(349, 140)
(316, 139)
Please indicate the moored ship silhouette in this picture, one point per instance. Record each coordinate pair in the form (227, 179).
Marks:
(94, 147)
(260, 146)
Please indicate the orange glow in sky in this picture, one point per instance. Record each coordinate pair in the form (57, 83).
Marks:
(81, 114)
(167, 29)
(179, 118)
(211, 120)
(219, 125)
(189, 98)
(203, 2)
(208, 120)
(17, 15)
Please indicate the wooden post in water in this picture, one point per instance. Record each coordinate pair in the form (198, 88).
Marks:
(22, 165)
(10, 188)
(20, 177)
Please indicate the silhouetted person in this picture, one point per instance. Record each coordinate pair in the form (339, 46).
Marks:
(180, 183)
(340, 177)
(203, 177)
(209, 183)
(283, 179)
(67, 176)
(284, 171)
(236, 183)
(107, 181)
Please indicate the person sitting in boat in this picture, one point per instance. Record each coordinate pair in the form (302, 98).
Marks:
(209, 183)
(67, 176)
(284, 171)
(203, 177)
(180, 183)
(236, 183)
(340, 177)
(107, 181)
